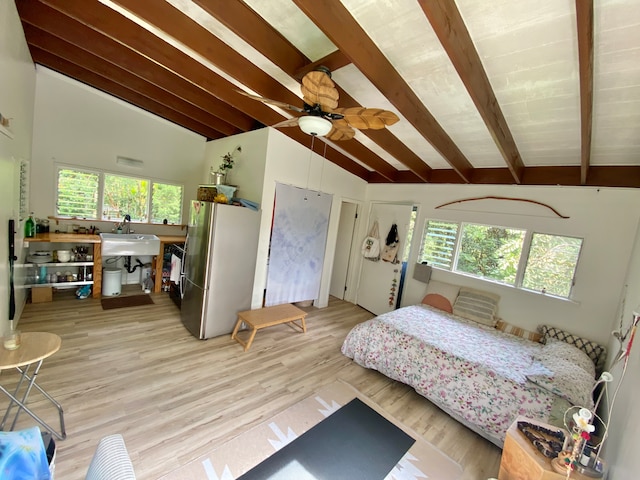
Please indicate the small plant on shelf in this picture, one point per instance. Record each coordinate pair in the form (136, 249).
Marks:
(227, 163)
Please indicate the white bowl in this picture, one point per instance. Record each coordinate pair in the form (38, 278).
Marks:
(64, 255)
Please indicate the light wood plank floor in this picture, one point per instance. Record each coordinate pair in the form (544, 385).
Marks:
(138, 372)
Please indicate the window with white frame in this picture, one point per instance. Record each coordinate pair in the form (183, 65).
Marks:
(534, 261)
(96, 195)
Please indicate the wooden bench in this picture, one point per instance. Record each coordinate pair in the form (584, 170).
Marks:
(267, 317)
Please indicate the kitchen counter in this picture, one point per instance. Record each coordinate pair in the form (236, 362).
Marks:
(97, 253)
(77, 238)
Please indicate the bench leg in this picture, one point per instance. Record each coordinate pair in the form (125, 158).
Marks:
(250, 341)
(236, 328)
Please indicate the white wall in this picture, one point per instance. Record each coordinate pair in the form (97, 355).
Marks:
(248, 164)
(268, 157)
(606, 219)
(17, 85)
(291, 163)
(620, 450)
(80, 126)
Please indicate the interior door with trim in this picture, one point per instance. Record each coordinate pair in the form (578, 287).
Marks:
(377, 290)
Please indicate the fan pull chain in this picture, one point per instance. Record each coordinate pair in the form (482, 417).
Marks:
(313, 139)
(324, 159)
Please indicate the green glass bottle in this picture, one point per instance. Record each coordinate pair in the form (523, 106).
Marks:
(30, 227)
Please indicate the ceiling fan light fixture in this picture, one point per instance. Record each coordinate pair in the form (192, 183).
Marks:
(316, 126)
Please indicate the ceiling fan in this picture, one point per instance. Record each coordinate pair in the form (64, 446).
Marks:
(322, 115)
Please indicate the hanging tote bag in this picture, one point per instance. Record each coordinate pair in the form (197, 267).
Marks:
(371, 244)
(390, 250)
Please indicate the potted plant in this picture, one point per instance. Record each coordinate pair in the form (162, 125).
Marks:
(219, 176)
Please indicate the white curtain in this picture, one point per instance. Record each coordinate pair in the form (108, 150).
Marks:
(298, 241)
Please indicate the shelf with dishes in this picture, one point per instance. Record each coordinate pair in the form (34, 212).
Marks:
(66, 274)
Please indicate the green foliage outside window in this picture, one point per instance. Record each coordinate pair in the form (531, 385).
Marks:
(552, 260)
(77, 194)
(490, 252)
(167, 203)
(125, 196)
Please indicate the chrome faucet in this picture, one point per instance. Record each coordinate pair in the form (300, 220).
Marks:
(126, 224)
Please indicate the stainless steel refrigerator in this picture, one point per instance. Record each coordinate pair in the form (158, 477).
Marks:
(219, 266)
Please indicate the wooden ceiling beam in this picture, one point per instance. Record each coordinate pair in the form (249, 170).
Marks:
(584, 20)
(117, 90)
(342, 29)
(61, 26)
(242, 20)
(268, 43)
(113, 25)
(173, 22)
(64, 50)
(449, 26)
(333, 62)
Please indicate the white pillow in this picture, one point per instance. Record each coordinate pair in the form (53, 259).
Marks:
(556, 349)
(568, 381)
(477, 305)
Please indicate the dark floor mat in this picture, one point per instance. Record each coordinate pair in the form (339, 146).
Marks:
(129, 301)
(354, 443)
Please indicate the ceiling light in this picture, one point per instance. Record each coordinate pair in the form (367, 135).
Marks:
(316, 126)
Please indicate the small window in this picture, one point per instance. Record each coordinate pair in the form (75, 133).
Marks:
(77, 194)
(96, 195)
(551, 265)
(540, 262)
(439, 243)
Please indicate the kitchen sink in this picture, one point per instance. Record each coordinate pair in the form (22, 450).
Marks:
(129, 244)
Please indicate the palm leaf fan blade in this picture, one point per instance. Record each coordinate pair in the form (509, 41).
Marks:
(340, 131)
(363, 118)
(318, 89)
(290, 122)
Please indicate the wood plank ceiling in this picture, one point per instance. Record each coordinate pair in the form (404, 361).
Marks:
(501, 92)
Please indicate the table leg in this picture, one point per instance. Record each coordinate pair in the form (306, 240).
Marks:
(21, 403)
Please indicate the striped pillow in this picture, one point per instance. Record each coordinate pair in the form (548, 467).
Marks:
(477, 305)
(517, 331)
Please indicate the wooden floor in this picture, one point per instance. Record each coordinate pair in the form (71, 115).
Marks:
(138, 372)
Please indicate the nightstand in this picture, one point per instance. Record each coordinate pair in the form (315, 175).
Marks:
(522, 461)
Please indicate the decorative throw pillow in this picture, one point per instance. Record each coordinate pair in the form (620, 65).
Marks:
(441, 295)
(596, 352)
(477, 305)
(517, 331)
(555, 349)
(567, 380)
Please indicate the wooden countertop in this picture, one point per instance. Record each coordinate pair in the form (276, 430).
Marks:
(64, 238)
(86, 238)
(171, 238)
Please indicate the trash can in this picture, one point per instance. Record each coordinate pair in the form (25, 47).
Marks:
(111, 282)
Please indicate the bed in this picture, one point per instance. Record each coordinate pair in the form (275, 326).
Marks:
(481, 376)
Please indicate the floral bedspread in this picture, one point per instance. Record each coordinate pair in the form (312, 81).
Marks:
(472, 371)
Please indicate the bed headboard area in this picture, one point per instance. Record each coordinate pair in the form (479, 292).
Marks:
(596, 352)
(482, 307)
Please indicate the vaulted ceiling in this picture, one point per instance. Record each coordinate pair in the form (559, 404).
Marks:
(543, 92)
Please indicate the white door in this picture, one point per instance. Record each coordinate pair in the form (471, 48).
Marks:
(343, 250)
(376, 289)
